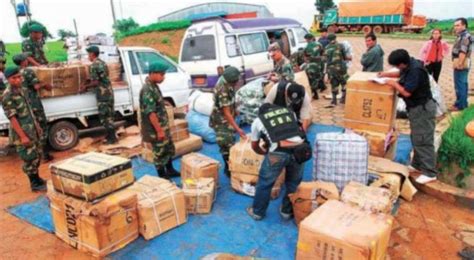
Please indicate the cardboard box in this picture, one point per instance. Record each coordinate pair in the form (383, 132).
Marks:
(390, 181)
(373, 199)
(338, 231)
(199, 195)
(245, 183)
(179, 130)
(309, 196)
(380, 144)
(98, 229)
(161, 206)
(369, 106)
(196, 165)
(192, 144)
(91, 176)
(170, 112)
(65, 80)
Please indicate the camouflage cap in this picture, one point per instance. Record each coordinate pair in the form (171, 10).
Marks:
(274, 47)
(11, 71)
(309, 36)
(93, 49)
(158, 66)
(332, 37)
(19, 58)
(36, 28)
(231, 74)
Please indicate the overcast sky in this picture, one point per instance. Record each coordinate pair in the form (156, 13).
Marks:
(95, 16)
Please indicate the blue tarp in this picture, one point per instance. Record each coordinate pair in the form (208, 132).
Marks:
(227, 229)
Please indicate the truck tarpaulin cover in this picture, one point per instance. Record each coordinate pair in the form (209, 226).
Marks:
(350, 8)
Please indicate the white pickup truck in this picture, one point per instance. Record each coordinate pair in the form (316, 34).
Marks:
(69, 115)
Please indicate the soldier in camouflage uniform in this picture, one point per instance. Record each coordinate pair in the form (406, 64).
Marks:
(34, 46)
(155, 127)
(25, 131)
(282, 70)
(314, 66)
(31, 87)
(99, 77)
(336, 68)
(3, 80)
(223, 113)
(297, 59)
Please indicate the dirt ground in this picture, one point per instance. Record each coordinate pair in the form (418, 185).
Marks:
(425, 228)
(167, 42)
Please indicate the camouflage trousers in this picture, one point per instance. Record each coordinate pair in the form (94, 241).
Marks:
(315, 76)
(225, 140)
(107, 114)
(336, 80)
(163, 152)
(31, 157)
(43, 122)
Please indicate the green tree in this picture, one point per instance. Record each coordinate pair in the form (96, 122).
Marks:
(323, 5)
(125, 25)
(63, 34)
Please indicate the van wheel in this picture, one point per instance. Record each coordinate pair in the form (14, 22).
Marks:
(63, 135)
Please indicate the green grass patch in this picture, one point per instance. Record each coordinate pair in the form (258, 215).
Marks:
(446, 26)
(400, 35)
(456, 147)
(54, 51)
(165, 40)
(155, 27)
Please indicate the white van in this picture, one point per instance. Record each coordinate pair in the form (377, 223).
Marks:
(212, 44)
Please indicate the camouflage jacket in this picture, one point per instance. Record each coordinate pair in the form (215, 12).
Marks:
(315, 52)
(29, 82)
(15, 104)
(151, 100)
(35, 48)
(284, 70)
(99, 71)
(3, 85)
(297, 58)
(335, 58)
(224, 96)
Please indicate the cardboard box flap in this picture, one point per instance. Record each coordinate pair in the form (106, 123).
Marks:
(152, 190)
(374, 199)
(313, 190)
(348, 224)
(197, 160)
(90, 167)
(363, 81)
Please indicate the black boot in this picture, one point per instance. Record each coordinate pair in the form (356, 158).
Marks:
(36, 183)
(170, 171)
(343, 98)
(162, 173)
(315, 94)
(322, 86)
(333, 102)
(226, 163)
(111, 136)
(47, 157)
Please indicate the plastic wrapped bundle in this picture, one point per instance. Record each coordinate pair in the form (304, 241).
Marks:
(249, 98)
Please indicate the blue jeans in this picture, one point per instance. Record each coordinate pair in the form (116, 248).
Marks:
(461, 87)
(271, 168)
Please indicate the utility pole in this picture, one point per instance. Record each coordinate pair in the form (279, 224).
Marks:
(113, 11)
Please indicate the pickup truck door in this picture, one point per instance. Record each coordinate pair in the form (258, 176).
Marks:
(254, 51)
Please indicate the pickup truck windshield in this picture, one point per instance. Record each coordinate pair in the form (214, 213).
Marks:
(199, 48)
(146, 58)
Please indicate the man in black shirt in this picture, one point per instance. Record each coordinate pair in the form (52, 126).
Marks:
(414, 89)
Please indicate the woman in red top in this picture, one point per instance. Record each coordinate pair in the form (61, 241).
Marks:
(433, 52)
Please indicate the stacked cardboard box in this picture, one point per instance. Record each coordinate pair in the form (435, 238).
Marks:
(339, 231)
(371, 112)
(65, 79)
(244, 165)
(161, 206)
(179, 130)
(196, 165)
(98, 229)
(373, 199)
(189, 145)
(311, 195)
(91, 176)
(199, 194)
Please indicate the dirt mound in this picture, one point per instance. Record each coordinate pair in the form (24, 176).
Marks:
(166, 42)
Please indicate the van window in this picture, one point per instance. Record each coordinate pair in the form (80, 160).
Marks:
(300, 33)
(253, 43)
(199, 48)
(231, 46)
(291, 37)
(147, 58)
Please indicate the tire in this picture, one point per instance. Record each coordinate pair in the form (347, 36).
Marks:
(378, 29)
(367, 29)
(63, 135)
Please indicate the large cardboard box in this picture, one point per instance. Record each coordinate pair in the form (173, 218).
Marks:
(246, 183)
(179, 130)
(196, 165)
(91, 176)
(338, 231)
(199, 194)
(369, 106)
(189, 145)
(373, 199)
(311, 195)
(380, 144)
(98, 229)
(65, 79)
(161, 206)
(170, 112)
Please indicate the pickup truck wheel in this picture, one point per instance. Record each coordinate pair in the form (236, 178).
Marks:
(367, 29)
(63, 135)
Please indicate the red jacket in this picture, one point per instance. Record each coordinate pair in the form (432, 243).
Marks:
(425, 51)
